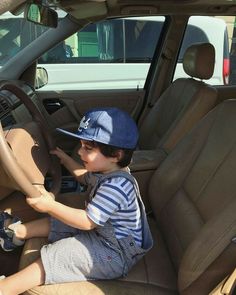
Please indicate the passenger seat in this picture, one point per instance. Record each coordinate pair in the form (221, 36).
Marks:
(179, 108)
(183, 103)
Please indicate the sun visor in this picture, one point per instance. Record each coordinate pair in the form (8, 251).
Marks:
(86, 10)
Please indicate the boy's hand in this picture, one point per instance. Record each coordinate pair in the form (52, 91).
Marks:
(75, 168)
(42, 203)
(59, 153)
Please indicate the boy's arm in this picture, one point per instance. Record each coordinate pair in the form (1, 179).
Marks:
(71, 216)
(76, 169)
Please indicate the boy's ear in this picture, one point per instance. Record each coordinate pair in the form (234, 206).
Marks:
(118, 156)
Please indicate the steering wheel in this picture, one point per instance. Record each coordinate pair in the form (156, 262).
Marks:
(39, 139)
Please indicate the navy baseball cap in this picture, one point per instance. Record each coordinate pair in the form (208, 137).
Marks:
(110, 126)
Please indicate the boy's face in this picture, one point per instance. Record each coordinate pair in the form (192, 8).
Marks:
(94, 160)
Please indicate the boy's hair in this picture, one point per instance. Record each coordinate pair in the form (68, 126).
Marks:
(112, 151)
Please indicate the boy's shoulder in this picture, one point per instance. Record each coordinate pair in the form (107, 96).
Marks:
(122, 182)
(118, 177)
(117, 180)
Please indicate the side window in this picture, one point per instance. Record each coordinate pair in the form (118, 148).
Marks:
(107, 55)
(15, 34)
(192, 35)
(201, 29)
(141, 39)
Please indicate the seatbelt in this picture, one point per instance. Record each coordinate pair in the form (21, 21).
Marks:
(157, 90)
(227, 286)
(166, 58)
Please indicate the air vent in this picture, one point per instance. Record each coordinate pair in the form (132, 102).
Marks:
(8, 120)
(4, 107)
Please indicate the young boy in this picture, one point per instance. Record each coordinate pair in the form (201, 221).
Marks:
(102, 241)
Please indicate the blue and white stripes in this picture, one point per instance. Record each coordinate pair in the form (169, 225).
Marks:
(116, 200)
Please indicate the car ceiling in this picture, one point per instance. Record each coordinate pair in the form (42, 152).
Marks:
(6, 5)
(95, 9)
(110, 8)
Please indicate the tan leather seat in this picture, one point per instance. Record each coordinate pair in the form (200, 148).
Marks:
(193, 200)
(183, 103)
(178, 109)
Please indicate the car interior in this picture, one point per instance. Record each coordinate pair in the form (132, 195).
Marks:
(185, 161)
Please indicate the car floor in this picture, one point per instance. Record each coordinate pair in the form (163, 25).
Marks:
(9, 261)
(14, 204)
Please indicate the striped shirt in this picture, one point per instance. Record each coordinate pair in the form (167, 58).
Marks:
(116, 200)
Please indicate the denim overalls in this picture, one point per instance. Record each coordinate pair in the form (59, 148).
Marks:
(127, 246)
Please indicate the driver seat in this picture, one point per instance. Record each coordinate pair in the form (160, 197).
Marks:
(193, 221)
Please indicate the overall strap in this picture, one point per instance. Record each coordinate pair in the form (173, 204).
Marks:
(147, 236)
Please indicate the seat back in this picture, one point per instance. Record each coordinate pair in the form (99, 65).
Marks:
(183, 103)
(193, 197)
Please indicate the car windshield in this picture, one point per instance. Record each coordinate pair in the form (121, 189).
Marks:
(15, 34)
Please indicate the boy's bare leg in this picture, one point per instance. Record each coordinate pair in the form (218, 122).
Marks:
(35, 228)
(29, 277)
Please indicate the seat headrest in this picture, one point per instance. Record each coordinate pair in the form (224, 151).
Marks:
(199, 60)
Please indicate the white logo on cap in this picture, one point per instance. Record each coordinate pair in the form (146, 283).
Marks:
(83, 124)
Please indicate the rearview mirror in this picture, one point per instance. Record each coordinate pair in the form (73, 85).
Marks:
(41, 14)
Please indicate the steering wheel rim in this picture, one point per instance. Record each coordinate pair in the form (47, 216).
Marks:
(9, 163)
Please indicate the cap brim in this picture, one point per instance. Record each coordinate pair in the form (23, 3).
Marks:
(72, 134)
(67, 132)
